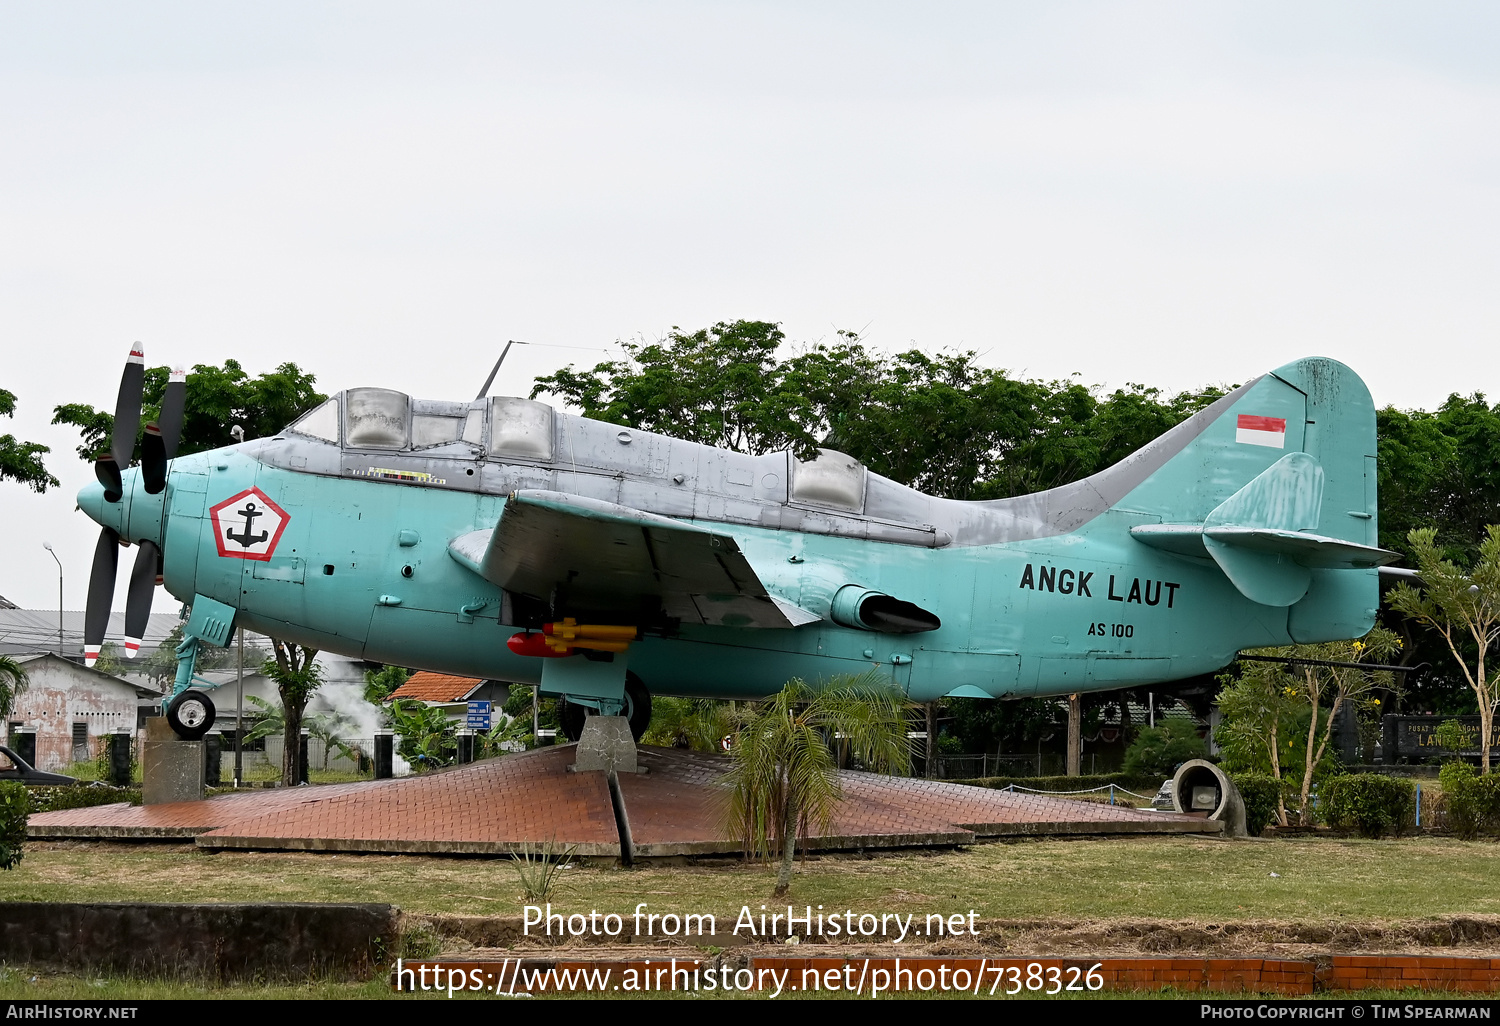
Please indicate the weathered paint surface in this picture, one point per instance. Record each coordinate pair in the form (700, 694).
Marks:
(62, 694)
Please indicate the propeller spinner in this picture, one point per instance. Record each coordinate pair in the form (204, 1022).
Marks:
(158, 447)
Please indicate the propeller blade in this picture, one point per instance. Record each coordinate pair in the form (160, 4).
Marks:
(138, 598)
(153, 460)
(108, 473)
(101, 594)
(172, 406)
(159, 443)
(128, 407)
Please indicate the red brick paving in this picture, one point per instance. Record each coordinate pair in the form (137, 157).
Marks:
(498, 805)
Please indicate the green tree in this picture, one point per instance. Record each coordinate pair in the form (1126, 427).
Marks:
(784, 777)
(13, 681)
(1162, 749)
(22, 461)
(333, 729)
(428, 736)
(379, 684)
(270, 719)
(697, 723)
(940, 423)
(296, 676)
(1277, 716)
(1463, 607)
(216, 399)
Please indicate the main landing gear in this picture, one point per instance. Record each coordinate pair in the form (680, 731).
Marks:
(637, 710)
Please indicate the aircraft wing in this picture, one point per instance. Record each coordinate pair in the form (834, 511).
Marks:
(603, 557)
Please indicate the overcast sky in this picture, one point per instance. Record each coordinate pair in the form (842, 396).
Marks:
(1169, 193)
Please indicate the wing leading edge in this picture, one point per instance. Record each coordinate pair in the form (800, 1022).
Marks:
(604, 557)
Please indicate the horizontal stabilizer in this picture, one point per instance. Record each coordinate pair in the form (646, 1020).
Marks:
(1310, 550)
(590, 554)
(1263, 536)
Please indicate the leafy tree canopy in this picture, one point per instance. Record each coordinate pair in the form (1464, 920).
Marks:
(940, 423)
(22, 461)
(217, 398)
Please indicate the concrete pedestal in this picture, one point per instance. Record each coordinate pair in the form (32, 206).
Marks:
(606, 744)
(171, 768)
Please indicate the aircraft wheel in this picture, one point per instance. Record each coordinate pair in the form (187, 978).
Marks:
(637, 705)
(570, 718)
(190, 715)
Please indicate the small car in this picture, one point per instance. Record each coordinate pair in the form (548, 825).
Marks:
(13, 767)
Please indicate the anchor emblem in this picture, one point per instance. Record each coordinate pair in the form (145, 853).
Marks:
(248, 525)
(245, 538)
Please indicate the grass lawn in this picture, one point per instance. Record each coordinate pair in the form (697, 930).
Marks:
(1178, 878)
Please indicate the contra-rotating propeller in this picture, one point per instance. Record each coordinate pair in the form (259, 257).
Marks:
(158, 446)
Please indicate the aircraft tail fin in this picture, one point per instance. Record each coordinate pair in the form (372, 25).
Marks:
(1276, 483)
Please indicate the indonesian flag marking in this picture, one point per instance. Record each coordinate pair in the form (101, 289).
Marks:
(1269, 431)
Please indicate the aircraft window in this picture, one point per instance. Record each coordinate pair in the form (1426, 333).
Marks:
(474, 427)
(833, 479)
(376, 418)
(520, 427)
(427, 430)
(321, 423)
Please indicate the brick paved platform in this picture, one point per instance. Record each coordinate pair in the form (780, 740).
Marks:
(499, 805)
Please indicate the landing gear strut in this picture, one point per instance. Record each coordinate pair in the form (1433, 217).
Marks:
(571, 715)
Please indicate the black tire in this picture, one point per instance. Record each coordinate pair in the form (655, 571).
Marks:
(570, 715)
(190, 715)
(570, 718)
(637, 705)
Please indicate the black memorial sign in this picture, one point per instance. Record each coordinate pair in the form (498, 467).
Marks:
(1412, 737)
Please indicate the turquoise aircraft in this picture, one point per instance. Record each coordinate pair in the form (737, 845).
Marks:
(501, 538)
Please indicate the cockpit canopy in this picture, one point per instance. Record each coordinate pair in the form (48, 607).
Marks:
(385, 419)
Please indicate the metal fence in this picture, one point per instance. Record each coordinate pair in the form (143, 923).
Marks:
(320, 756)
(969, 767)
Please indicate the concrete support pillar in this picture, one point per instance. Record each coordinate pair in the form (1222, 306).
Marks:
(385, 751)
(121, 743)
(213, 761)
(171, 768)
(1075, 735)
(931, 760)
(24, 743)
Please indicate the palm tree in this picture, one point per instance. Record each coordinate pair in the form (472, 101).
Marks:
(13, 681)
(784, 777)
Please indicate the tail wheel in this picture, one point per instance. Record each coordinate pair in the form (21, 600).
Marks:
(637, 710)
(190, 715)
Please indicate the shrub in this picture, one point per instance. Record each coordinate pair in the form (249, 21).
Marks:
(1262, 795)
(1162, 749)
(15, 806)
(1141, 783)
(51, 798)
(1370, 802)
(1473, 802)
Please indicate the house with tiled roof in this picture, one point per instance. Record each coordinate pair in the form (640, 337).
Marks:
(451, 693)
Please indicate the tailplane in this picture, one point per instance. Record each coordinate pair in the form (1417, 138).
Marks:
(1276, 484)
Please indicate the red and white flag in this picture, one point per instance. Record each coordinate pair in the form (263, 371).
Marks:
(1269, 431)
